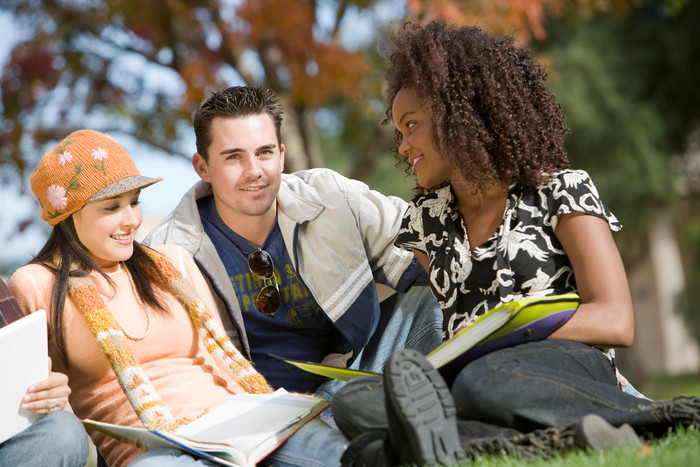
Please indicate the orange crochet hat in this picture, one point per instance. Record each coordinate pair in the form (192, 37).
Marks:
(86, 166)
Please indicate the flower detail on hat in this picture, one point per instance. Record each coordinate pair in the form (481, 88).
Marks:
(64, 158)
(63, 155)
(100, 155)
(56, 195)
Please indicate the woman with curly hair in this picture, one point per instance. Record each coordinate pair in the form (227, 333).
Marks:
(499, 216)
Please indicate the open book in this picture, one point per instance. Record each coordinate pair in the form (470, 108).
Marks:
(512, 323)
(240, 432)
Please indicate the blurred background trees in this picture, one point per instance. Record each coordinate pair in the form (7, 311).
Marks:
(624, 71)
(142, 68)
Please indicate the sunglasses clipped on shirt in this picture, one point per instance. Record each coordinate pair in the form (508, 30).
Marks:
(268, 300)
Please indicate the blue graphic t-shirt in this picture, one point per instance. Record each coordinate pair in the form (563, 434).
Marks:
(299, 329)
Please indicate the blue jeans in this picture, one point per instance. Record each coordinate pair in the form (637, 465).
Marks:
(514, 390)
(546, 383)
(412, 320)
(56, 439)
(169, 458)
(316, 444)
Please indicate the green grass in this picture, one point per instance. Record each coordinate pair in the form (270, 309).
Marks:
(680, 448)
(666, 387)
(676, 449)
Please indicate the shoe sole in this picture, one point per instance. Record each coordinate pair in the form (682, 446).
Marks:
(594, 432)
(421, 398)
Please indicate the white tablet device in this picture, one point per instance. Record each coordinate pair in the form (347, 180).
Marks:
(23, 360)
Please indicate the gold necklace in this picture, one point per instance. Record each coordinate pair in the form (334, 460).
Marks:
(143, 305)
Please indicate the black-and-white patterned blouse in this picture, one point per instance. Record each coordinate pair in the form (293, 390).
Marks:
(522, 259)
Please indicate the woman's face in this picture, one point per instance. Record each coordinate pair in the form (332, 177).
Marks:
(107, 227)
(412, 119)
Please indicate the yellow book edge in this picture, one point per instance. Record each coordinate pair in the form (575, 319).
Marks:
(497, 322)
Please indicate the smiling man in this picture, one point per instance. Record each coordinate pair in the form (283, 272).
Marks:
(295, 259)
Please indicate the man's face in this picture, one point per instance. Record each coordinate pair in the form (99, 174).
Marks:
(244, 168)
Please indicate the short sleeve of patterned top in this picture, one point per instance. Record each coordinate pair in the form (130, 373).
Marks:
(522, 259)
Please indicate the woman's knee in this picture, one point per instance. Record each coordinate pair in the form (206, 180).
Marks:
(358, 406)
(488, 388)
(469, 389)
(65, 437)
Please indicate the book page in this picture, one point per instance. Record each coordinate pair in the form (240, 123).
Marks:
(146, 440)
(238, 433)
(250, 422)
(471, 335)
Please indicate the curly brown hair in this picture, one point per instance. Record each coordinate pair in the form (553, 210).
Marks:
(493, 116)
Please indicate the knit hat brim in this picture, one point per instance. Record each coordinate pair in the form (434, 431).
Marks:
(124, 185)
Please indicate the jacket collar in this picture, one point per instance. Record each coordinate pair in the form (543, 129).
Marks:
(297, 200)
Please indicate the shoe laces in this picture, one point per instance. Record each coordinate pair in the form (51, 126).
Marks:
(682, 410)
(543, 443)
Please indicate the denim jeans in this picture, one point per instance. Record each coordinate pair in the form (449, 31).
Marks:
(546, 383)
(412, 319)
(169, 458)
(56, 439)
(517, 389)
(316, 444)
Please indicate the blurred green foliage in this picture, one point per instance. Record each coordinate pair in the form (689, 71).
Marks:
(628, 87)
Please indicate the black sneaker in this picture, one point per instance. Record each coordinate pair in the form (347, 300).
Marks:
(594, 432)
(368, 450)
(680, 411)
(542, 443)
(591, 432)
(421, 412)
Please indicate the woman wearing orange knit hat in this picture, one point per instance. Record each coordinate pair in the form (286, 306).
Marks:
(129, 325)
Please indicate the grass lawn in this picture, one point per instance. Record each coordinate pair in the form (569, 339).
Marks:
(681, 448)
(666, 387)
(677, 449)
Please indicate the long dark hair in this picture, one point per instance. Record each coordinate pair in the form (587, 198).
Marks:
(64, 246)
